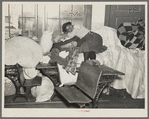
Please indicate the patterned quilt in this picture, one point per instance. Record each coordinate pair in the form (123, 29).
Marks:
(132, 35)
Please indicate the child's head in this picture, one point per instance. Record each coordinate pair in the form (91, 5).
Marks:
(67, 27)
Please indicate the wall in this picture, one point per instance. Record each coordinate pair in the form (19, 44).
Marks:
(98, 15)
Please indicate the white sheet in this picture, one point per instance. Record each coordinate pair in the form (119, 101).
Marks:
(130, 62)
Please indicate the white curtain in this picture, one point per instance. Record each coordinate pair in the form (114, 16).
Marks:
(14, 12)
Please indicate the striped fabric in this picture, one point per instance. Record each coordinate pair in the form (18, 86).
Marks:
(132, 35)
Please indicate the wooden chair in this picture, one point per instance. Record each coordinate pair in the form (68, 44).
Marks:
(51, 71)
(15, 74)
(90, 84)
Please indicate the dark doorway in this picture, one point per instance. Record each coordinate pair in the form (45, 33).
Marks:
(117, 14)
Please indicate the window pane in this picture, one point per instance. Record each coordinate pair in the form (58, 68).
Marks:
(52, 10)
(77, 22)
(53, 25)
(14, 13)
(5, 10)
(28, 26)
(14, 10)
(40, 20)
(28, 10)
(78, 11)
(65, 11)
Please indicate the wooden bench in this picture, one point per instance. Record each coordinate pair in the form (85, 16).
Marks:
(90, 84)
(15, 74)
(51, 71)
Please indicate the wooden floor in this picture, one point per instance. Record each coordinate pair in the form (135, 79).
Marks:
(58, 102)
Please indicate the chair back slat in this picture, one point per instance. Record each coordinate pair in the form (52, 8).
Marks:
(18, 72)
(88, 79)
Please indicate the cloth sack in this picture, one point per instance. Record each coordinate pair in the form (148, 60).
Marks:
(46, 42)
(43, 92)
(22, 50)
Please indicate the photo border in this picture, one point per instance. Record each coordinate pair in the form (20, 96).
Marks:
(78, 112)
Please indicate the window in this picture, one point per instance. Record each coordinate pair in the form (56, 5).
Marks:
(27, 20)
(62, 14)
(32, 19)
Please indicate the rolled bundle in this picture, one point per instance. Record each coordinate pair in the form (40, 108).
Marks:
(132, 35)
(22, 50)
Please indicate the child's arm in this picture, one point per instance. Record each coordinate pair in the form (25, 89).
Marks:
(61, 36)
(66, 44)
(71, 42)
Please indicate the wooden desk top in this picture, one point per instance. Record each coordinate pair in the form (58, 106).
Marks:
(109, 71)
(106, 70)
(44, 66)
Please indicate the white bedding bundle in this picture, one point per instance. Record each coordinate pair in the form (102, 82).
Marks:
(28, 54)
(22, 50)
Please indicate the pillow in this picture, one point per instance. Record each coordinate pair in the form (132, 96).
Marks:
(43, 92)
(46, 42)
(22, 50)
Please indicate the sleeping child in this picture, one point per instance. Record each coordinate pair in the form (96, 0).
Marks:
(89, 43)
